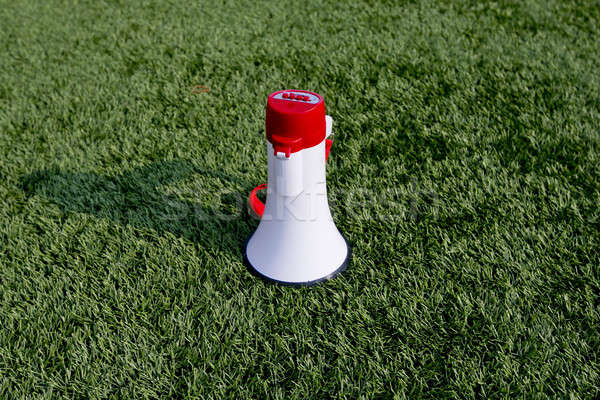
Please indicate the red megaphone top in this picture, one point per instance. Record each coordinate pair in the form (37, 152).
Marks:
(295, 120)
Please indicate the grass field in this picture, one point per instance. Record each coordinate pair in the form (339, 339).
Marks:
(465, 173)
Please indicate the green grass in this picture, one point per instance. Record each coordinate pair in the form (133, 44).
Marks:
(465, 173)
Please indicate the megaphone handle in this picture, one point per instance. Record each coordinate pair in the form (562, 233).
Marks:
(255, 204)
(258, 206)
(328, 144)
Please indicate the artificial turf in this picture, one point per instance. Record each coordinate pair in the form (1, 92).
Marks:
(465, 173)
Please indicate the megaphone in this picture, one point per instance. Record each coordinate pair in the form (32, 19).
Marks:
(296, 241)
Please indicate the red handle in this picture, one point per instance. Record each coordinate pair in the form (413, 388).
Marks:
(258, 206)
(255, 204)
(328, 144)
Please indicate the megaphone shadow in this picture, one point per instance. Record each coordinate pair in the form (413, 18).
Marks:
(134, 198)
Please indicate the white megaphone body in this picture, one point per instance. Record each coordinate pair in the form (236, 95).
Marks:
(296, 241)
